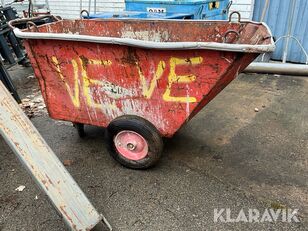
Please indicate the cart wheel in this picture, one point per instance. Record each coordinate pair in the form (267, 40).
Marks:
(80, 129)
(134, 142)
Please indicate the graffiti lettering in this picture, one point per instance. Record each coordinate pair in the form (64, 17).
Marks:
(174, 78)
(87, 83)
(116, 92)
(148, 91)
(74, 95)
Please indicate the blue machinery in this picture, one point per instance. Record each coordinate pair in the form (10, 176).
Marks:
(169, 9)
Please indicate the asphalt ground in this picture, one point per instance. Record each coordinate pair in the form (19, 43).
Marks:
(228, 157)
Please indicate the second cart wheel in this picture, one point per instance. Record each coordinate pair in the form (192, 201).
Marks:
(134, 142)
(80, 129)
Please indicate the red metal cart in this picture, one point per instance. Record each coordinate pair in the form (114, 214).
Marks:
(142, 79)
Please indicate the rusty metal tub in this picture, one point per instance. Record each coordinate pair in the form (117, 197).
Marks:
(154, 75)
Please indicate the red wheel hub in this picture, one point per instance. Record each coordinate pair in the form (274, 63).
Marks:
(131, 145)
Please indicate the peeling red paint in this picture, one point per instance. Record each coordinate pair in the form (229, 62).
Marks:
(93, 83)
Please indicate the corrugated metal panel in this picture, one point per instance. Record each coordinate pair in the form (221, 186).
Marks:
(277, 17)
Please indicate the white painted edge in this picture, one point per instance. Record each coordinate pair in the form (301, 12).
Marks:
(247, 48)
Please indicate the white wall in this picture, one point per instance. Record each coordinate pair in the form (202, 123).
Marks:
(245, 7)
(71, 8)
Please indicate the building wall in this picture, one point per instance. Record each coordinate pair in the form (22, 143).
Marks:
(245, 7)
(71, 8)
(278, 17)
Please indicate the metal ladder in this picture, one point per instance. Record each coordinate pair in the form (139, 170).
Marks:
(45, 167)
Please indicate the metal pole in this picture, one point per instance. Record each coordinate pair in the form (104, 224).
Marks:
(266, 4)
(89, 10)
(290, 27)
(94, 6)
(44, 166)
(47, 5)
(278, 68)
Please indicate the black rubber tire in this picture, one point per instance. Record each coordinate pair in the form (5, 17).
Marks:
(143, 128)
(80, 129)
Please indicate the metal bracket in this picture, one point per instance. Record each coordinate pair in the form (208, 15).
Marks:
(235, 12)
(82, 14)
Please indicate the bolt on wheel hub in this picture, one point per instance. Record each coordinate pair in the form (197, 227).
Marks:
(131, 145)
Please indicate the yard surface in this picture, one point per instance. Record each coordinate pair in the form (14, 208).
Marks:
(228, 156)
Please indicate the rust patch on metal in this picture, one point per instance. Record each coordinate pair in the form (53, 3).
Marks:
(62, 208)
(96, 83)
(49, 180)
